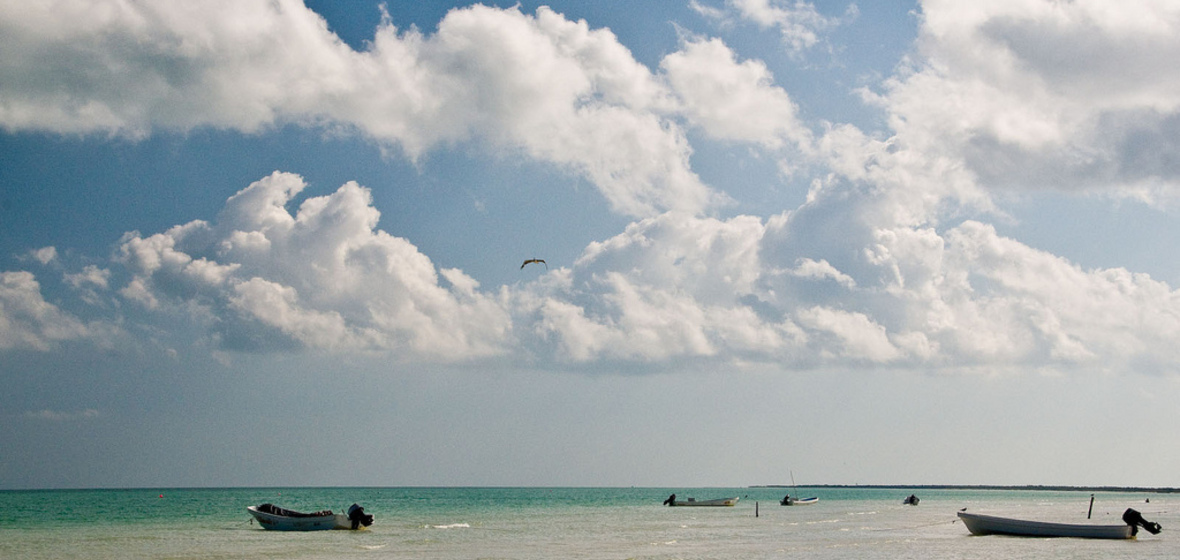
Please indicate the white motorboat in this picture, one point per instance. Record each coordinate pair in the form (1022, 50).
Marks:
(273, 517)
(790, 501)
(721, 502)
(992, 525)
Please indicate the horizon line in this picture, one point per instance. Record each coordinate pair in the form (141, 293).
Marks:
(1030, 487)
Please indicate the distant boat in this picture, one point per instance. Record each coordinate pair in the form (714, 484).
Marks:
(789, 501)
(721, 502)
(991, 525)
(276, 518)
(912, 500)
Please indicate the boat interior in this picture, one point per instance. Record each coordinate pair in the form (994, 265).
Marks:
(276, 510)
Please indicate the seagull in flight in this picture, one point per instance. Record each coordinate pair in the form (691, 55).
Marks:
(542, 261)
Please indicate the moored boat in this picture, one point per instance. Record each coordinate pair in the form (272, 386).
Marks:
(791, 501)
(992, 525)
(720, 502)
(273, 517)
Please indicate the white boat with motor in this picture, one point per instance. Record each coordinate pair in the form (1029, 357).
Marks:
(273, 517)
(721, 502)
(992, 525)
(791, 501)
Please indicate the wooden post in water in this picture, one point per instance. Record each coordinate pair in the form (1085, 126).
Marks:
(1091, 506)
(755, 509)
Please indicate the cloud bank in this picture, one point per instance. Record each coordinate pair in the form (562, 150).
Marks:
(889, 262)
(1078, 96)
(541, 85)
(323, 278)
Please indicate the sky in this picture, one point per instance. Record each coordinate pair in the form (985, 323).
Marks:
(276, 243)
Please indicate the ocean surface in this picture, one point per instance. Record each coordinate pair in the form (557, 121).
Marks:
(598, 523)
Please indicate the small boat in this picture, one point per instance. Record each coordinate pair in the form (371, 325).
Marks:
(789, 501)
(721, 502)
(991, 525)
(276, 518)
(912, 500)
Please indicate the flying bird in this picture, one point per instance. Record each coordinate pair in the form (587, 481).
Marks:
(542, 261)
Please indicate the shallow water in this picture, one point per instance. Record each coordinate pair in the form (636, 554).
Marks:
(526, 523)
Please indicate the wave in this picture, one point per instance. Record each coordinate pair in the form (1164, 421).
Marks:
(452, 526)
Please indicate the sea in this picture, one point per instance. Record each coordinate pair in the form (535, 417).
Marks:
(553, 523)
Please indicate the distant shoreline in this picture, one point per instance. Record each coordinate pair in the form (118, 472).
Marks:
(1047, 488)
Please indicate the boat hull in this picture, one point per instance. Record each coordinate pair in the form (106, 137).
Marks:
(302, 523)
(723, 502)
(800, 502)
(991, 525)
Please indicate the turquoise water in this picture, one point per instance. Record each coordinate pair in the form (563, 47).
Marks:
(527, 523)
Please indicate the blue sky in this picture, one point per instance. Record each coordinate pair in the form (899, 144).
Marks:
(276, 243)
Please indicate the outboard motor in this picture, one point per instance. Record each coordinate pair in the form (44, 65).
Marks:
(357, 515)
(1136, 520)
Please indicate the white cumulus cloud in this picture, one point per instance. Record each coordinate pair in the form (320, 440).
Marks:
(888, 261)
(732, 100)
(27, 321)
(1030, 94)
(541, 85)
(323, 277)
